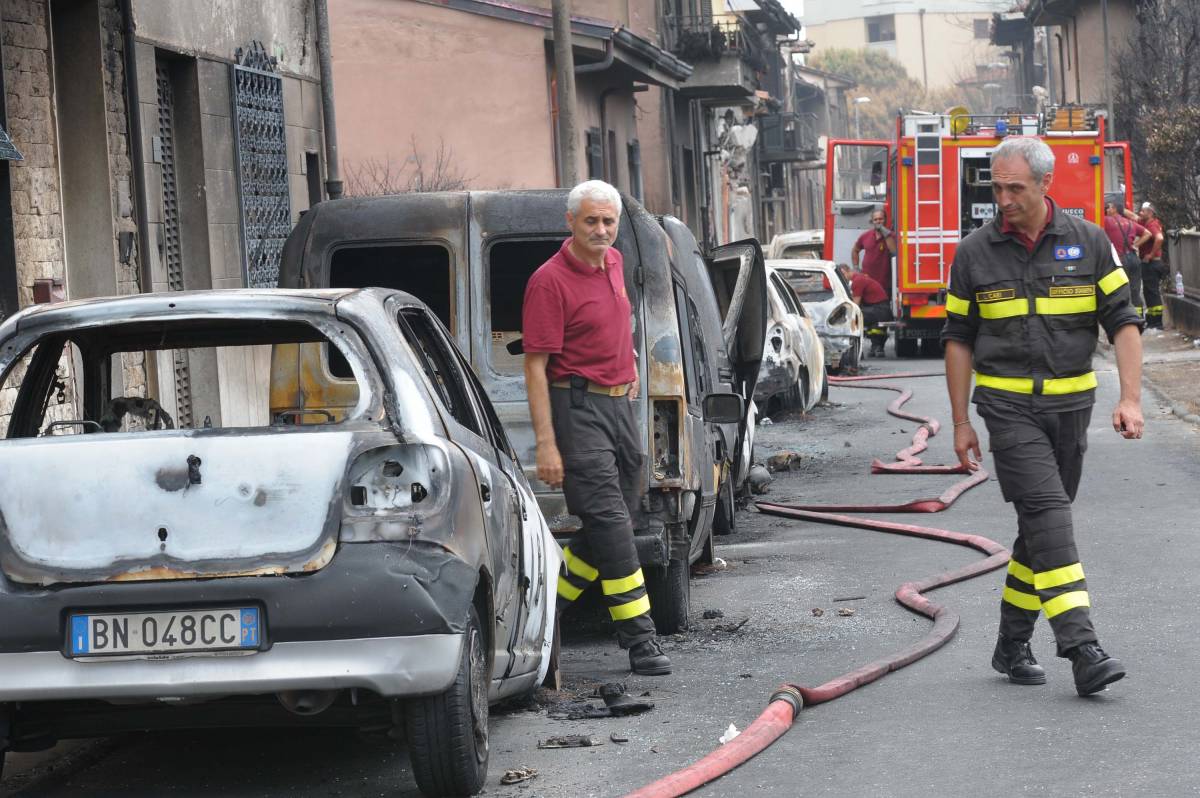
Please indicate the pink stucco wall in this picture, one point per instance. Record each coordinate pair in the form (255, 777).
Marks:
(477, 85)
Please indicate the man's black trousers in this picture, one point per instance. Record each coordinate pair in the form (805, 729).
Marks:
(1039, 459)
(601, 450)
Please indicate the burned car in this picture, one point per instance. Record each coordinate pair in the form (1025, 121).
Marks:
(343, 537)
(699, 319)
(798, 244)
(792, 375)
(839, 322)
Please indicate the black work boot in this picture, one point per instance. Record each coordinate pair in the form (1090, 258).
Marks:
(648, 659)
(1094, 670)
(1014, 659)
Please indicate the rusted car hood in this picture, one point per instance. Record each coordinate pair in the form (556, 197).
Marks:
(169, 505)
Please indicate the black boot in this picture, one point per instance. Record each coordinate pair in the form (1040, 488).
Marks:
(1093, 669)
(647, 658)
(1014, 658)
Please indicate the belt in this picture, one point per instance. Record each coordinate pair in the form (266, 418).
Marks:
(595, 387)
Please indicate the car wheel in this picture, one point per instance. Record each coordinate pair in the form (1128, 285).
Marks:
(670, 592)
(724, 522)
(448, 733)
(906, 347)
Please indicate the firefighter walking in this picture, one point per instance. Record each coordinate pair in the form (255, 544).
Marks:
(580, 375)
(1026, 293)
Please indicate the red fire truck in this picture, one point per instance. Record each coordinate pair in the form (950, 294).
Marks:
(934, 184)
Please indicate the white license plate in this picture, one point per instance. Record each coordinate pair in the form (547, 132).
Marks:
(165, 632)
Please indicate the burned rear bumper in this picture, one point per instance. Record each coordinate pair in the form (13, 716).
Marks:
(383, 616)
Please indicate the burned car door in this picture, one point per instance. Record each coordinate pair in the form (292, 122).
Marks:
(469, 430)
(739, 278)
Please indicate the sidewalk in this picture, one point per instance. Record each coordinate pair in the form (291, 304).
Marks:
(1171, 368)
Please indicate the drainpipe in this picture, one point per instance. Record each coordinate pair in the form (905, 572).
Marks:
(601, 66)
(134, 133)
(564, 71)
(924, 66)
(333, 175)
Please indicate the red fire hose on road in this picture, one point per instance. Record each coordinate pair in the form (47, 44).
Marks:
(787, 701)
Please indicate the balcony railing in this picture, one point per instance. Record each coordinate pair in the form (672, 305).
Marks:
(789, 137)
(703, 38)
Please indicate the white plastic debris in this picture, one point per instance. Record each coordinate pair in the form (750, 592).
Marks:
(766, 422)
(719, 564)
(729, 734)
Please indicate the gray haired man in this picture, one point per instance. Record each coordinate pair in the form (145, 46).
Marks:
(1026, 293)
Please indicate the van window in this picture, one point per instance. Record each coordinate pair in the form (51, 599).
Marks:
(423, 270)
(509, 266)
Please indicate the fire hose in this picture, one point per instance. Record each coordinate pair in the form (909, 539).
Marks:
(787, 701)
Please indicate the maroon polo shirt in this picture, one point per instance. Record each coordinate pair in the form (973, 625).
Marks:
(867, 287)
(1024, 240)
(580, 315)
(1152, 249)
(875, 258)
(1121, 232)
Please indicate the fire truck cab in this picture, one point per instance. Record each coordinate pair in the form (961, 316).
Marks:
(933, 182)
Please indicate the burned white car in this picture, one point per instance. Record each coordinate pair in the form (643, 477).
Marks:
(343, 536)
(838, 321)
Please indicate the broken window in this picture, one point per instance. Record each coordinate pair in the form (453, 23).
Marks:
(436, 357)
(881, 28)
(509, 266)
(809, 286)
(423, 270)
(268, 373)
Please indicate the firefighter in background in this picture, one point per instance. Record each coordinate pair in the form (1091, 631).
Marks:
(869, 295)
(1127, 236)
(872, 254)
(581, 376)
(1153, 269)
(1026, 293)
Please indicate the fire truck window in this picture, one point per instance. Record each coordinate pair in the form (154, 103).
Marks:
(859, 173)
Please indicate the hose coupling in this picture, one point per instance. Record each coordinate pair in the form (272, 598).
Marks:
(791, 694)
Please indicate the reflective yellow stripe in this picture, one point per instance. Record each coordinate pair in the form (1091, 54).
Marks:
(1058, 577)
(1050, 387)
(568, 590)
(957, 305)
(1010, 384)
(1155, 309)
(1113, 280)
(613, 586)
(1065, 385)
(1020, 572)
(632, 609)
(1026, 601)
(1004, 309)
(578, 566)
(1057, 305)
(1067, 601)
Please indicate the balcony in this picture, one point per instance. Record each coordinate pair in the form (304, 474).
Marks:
(726, 55)
(788, 137)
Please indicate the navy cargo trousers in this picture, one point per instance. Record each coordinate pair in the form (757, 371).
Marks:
(601, 450)
(1039, 460)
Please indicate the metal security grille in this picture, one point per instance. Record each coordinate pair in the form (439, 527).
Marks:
(261, 146)
(169, 246)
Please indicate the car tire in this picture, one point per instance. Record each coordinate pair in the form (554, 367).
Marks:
(670, 592)
(448, 733)
(724, 522)
(906, 347)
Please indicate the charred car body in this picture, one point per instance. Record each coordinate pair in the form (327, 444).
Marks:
(822, 290)
(793, 366)
(351, 538)
(699, 324)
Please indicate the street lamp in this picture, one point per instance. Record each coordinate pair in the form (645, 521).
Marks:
(857, 102)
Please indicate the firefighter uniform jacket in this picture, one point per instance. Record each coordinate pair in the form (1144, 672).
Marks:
(1030, 318)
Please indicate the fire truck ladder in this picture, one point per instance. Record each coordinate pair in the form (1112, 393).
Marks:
(931, 235)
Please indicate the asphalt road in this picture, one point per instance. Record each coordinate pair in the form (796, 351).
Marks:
(947, 725)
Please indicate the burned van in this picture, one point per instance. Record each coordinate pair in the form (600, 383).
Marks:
(699, 324)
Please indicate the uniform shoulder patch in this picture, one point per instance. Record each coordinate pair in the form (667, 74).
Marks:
(996, 295)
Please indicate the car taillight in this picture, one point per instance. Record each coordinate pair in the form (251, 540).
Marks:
(838, 316)
(398, 478)
(665, 443)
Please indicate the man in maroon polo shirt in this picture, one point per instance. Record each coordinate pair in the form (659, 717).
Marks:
(873, 251)
(1127, 237)
(869, 295)
(1153, 269)
(581, 377)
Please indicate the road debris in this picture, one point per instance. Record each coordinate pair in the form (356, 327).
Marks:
(712, 614)
(729, 734)
(570, 741)
(817, 612)
(759, 478)
(784, 461)
(518, 775)
(849, 598)
(730, 628)
(845, 612)
(765, 422)
(620, 703)
(617, 738)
